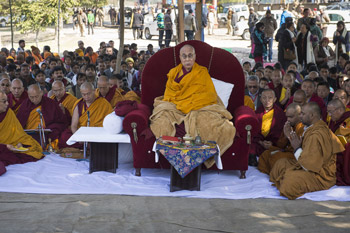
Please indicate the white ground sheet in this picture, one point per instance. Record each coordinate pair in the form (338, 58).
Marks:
(56, 175)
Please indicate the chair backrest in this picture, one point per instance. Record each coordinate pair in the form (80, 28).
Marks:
(221, 65)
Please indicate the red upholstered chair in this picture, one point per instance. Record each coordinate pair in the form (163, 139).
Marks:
(221, 65)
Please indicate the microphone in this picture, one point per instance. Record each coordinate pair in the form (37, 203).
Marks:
(88, 121)
(38, 110)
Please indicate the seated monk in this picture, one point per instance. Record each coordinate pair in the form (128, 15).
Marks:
(17, 95)
(53, 118)
(340, 126)
(309, 87)
(65, 100)
(271, 119)
(314, 166)
(113, 94)
(283, 149)
(97, 107)
(12, 137)
(190, 100)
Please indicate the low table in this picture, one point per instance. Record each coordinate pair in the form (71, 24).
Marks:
(186, 162)
(104, 147)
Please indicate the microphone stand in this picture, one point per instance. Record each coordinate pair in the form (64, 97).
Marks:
(41, 138)
(42, 130)
(88, 125)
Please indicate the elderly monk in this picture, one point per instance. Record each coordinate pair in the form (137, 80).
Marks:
(17, 95)
(314, 166)
(97, 107)
(283, 149)
(113, 94)
(271, 119)
(65, 100)
(5, 85)
(53, 118)
(190, 100)
(341, 95)
(13, 138)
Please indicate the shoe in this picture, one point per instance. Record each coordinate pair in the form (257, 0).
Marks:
(252, 161)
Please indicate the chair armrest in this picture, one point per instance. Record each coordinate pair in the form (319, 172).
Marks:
(135, 122)
(246, 123)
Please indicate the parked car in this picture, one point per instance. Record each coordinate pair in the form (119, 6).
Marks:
(242, 12)
(4, 20)
(334, 17)
(339, 6)
(151, 26)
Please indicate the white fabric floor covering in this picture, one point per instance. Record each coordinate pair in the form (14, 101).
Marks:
(57, 175)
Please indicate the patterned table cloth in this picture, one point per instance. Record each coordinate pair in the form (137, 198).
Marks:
(184, 158)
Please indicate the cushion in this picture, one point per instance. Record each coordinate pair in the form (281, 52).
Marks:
(223, 89)
(113, 124)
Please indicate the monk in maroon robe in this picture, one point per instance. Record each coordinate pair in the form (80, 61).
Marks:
(17, 95)
(271, 119)
(53, 117)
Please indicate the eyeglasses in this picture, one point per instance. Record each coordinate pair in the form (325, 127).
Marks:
(332, 111)
(189, 56)
(5, 85)
(252, 87)
(3, 101)
(341, 97)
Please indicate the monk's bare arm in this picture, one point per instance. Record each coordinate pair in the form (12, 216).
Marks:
(75, 120)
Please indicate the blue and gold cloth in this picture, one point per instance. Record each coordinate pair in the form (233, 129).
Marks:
(184, 158)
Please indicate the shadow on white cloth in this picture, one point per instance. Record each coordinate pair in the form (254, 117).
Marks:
(57, 175)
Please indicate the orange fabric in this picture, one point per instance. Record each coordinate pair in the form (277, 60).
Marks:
(283, 149)
(12, 133)
(93, 57)
(195, 90)
(34, 119)
(120, 96)
(98, 110)
(249, 102)
(68, 102)
(37, 58)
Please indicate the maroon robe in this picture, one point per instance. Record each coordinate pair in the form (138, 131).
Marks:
(110, 94)
(67, 115)
(343, 159)
(13, 103)
(278, 121)
(52, 114)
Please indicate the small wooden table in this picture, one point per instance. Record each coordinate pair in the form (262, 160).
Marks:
(104, 147)
(186, 162)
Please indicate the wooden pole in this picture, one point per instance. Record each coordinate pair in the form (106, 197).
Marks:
(199, 20)
(10, 3)
(121, 36)
(181, 21)
(58, 26)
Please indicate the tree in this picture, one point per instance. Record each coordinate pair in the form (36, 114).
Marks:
(92, 3)
(37, 15)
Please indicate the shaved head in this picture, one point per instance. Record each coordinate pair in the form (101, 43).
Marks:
(336, 103)
(88, 92)
(310, 113)
(187, 56)
(17, 88)
(341, 95)
(35, 94)
(58, 89)
(87, 86)
(268, 98)
(299, 97)
(315, 109)
(293, 114)
(103, 85)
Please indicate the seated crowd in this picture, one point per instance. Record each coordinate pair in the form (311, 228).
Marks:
(299, 112)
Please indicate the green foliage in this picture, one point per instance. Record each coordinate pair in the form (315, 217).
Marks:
(36, 15)
(92, 3)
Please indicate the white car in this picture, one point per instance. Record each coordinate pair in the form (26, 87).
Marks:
(151, 26)
(334, 17)
(242, 12)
